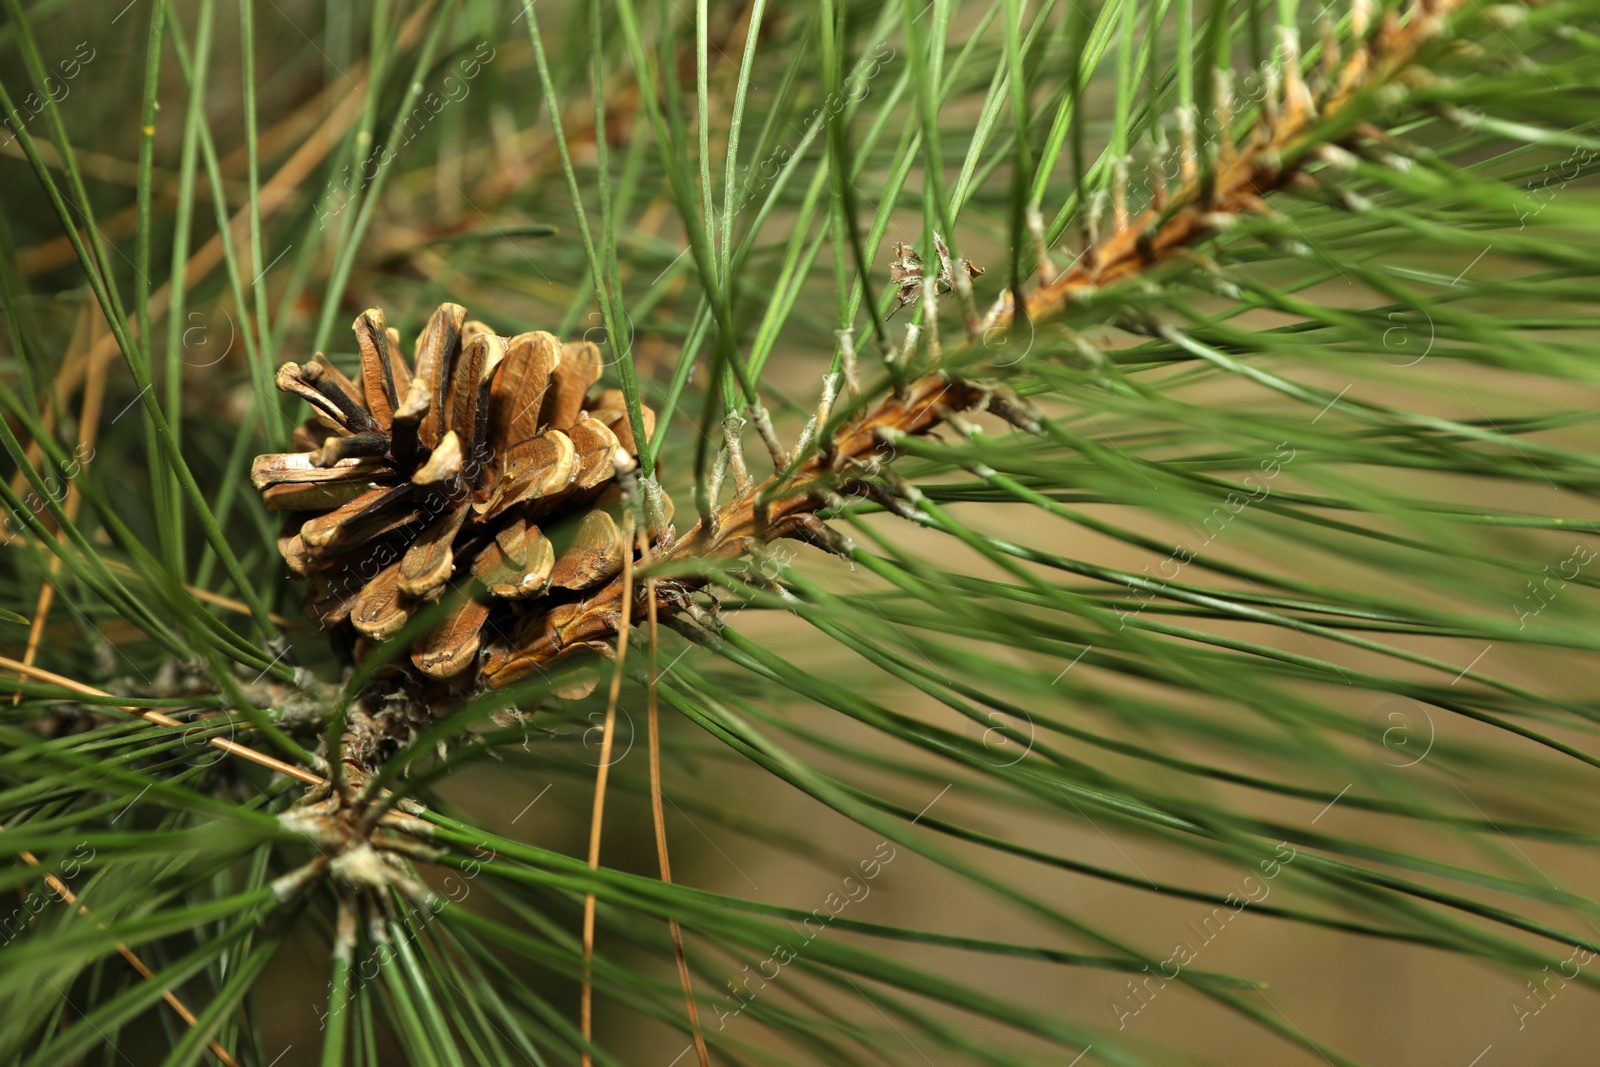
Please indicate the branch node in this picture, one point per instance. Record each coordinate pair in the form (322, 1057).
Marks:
(1041, 247)
(769, 436)
(930, 317)
(847, 359)
(732, 429)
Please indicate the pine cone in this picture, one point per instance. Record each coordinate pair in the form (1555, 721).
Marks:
(491, 466)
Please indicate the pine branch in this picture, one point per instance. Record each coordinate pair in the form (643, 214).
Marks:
(1289, 137)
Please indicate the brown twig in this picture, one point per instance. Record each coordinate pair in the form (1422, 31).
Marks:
(658, 816)
(859, 443)
(238, 607)
(88, 431)
(597, 818)
(1272, 156)
(156, 717)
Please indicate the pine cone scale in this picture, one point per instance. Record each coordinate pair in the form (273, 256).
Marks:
(382, 371)
(436, 353)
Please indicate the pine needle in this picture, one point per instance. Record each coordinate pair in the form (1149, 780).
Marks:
(128, 954)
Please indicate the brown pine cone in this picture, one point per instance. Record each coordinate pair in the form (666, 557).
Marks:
(492, 472)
